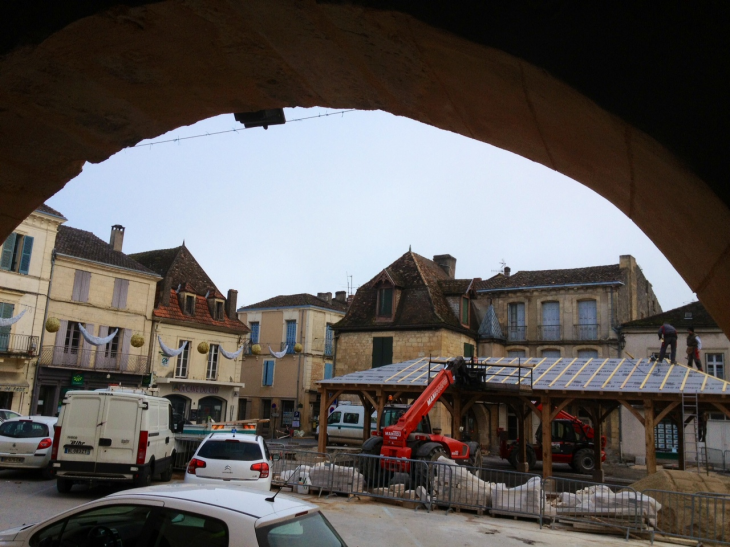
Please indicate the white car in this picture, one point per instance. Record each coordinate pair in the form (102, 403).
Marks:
(232, 459)
(7, 414)
(183, 515)
(25, 443)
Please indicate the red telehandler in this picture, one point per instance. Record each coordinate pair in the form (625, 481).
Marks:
(410, 438)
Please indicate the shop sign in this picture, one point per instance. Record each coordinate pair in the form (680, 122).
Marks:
(185, 388)
(77, 380)
(14, 389)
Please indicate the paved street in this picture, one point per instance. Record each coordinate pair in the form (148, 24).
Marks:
(362, 522)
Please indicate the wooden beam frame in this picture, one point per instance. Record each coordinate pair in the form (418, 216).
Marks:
(667, 410)
(722, 409)
(633, 411)
(560, 407)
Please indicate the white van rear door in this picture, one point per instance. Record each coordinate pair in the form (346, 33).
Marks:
(119, 431)
(79, 431)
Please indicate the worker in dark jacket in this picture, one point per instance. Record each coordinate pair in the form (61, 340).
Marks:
(693, 352)
(668, 336)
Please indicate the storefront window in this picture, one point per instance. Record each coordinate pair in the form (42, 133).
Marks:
(211, 407)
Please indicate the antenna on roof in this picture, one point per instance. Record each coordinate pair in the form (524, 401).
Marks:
(272, 498)
(502, 265)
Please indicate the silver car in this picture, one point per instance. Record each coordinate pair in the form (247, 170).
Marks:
(7, 414)
(25, 443)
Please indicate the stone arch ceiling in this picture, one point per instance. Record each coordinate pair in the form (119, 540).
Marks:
(630, 101)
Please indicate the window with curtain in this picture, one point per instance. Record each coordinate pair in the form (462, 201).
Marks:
(212, 371)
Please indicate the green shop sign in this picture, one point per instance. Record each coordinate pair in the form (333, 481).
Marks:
(77, 380)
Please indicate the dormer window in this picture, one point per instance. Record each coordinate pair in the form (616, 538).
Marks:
(385, 302)
(219, 310)
(189, 304)
(465, 311)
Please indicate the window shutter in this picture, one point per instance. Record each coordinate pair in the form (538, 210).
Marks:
(6, 257)
(124, 357)
(86, 348)
(85, 282)
(6, 311)
(115, 294)
(327, 371)
(123, 294)
(59, 342)
(25, 258)
(377, 352)
(76, 294)
(387, 351)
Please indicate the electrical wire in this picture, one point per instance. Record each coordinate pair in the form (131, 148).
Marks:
(178, 139)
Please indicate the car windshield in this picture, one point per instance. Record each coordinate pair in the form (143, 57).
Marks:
(310, 531)
(23, 429)
(230, 450)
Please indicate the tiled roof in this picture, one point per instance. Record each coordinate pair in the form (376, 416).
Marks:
(85, 245)
(700, 318)
(202, 314)
(546, 278)
(422, 300)
(180, 266)
(49, 211)
(454, 286)
(291, 300)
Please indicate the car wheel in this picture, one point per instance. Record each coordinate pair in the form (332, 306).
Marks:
(63, 485)
(514, 457)
(48, 472)
(585, 461)
(143, 479)
(166, 475)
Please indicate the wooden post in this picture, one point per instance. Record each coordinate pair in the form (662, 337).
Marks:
(547, 439)
(368, 410)
(381, 406)
(598, 475)
(649, 436)
(522, 465)
(322, 443)
(456, 418)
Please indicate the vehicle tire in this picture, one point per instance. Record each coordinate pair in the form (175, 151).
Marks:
(424, 474)
(144, 478)
(475, 457)
(63, 485)
(531, 458)
(48, 472)
(166, 475)
(375, 476)
(584, 461)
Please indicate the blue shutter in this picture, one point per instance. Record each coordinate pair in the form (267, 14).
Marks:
(6, 311)
(255, 332)
(269, 373)
(25, 258)
(6, 257)
(327, 371)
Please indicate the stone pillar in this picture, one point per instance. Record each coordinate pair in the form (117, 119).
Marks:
(547, 439)
(649, 436)
(322, 444)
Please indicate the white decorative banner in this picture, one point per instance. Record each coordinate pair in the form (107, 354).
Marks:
(95, 340)
(169, 352)
(278, 354)
(12, 320)
(230, 356)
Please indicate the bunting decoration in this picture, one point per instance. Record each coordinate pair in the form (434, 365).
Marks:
(95, 340)
(169, 352)
(278, 354)
(12, 320)
(230, 356)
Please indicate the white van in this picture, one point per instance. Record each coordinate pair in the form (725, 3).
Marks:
(346, 423)
(113, 435)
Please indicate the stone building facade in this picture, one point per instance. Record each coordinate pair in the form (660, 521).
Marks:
(25, 273)
(277, 389)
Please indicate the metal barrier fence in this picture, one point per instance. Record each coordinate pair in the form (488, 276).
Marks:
(714, 457)
(292, 466)
(598, 505)
(700, 517)
(185, 447)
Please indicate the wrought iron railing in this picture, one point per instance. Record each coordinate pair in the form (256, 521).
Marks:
(20, 344)
(586, 331)
(549, 332)
(516, 333)
(94, 359)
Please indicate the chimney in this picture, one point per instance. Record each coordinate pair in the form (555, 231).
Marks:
(326, 296)
(166, 288)
(231, 303)
(341, 296)
(507, 271)
(117, 237)
(447, 263)
(350, 300)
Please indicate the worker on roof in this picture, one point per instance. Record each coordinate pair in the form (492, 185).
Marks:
(668, 336)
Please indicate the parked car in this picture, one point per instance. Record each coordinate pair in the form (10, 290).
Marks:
(183, 515)
(7, 414)
(233, 459)
(112, 436)
(25, 443)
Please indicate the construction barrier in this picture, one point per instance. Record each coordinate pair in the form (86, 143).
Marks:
(185, 447)
(714, 457)
(698, 517)
(291, 467)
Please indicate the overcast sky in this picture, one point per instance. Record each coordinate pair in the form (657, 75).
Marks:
(300, 207)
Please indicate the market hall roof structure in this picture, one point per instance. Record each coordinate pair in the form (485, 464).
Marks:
(561, 375)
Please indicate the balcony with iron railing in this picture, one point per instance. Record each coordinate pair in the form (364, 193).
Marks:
(516, 333)
(20, 345)
(549, 332)
(586, 331)
(94, 359)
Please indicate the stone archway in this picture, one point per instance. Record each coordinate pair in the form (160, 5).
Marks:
(82, 88)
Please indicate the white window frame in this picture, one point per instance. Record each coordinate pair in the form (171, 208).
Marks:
(183, 360)
(211, 372)
(711, 367)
